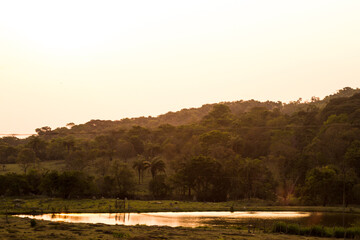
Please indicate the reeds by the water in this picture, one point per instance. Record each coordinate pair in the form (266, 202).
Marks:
(318, 231)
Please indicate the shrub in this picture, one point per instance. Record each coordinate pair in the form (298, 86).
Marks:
(317, 231)
(339, 232)
(353, 232)
(120, 235)
(305, 231)
(279, 227)
(293, 229)
(32, 223)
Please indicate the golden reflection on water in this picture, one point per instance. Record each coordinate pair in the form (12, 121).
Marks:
(172, 219)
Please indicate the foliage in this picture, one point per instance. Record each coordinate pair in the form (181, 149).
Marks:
(124, 180)
(159, 188)
(302, 152)
(26, 158)
(320, 185)
(316, 231)
(206, 177)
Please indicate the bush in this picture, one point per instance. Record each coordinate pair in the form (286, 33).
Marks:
(293, 229)
(279, 227)
(32, 223)
(353, 232)
(339, 232)
(317, 231)
(305, 231)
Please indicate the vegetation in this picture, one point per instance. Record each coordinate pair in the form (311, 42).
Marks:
(298, 153)
(317, 231)
(30, 205)
(19, 228)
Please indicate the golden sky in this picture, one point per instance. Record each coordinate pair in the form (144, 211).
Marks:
(73, 61)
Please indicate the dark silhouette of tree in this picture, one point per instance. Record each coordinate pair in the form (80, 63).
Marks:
(321, 185)
(38, 145)
(140, 165)
(157, 165)
(26, 158)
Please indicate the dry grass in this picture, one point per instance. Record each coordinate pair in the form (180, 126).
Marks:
(19, 228)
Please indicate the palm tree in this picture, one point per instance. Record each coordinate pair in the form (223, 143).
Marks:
(141, 165)
(156, 165)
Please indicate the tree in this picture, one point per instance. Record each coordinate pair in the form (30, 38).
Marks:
(108, 144)
(77, 160)
(124, 179)
(69, 143)
(206, 177)
(157, 165)
(50, 183)
(140, 165)
(158, 187)
(38, 145)
(138, 144)
(70, 125)
(56, 149)
(34, 180)
(75, 184)
(219, 116)
(285, 162)
(250, 178)
(126, 150)
(26, 158)
(43, 130)
(322, 184)
(352, 156)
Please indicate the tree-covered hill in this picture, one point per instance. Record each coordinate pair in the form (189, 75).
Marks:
(295, 153)
(191, 115)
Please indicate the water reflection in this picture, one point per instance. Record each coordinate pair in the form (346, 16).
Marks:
(173, 219)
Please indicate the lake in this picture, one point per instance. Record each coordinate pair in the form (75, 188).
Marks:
(197, 219)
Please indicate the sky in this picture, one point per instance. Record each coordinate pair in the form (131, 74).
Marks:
(73, 61)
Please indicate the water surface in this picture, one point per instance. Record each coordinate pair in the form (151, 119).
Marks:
(197, 219)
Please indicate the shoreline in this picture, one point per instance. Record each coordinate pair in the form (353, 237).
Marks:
(12, 206)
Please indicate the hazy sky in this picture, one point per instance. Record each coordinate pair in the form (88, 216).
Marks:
(73, 61)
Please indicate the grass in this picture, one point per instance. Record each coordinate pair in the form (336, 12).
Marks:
(19, 228)
(57, 205)
(317, 231)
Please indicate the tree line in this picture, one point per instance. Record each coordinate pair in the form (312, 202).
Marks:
(311, 156)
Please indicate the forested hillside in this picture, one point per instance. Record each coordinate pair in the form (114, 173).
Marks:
(189, 116)
(296, 153)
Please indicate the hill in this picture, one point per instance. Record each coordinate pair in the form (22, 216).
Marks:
(190, 116)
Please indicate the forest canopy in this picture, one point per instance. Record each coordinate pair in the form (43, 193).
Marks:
(295, 153)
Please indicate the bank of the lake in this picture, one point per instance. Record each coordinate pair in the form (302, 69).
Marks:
(20, 228)
(57, 205)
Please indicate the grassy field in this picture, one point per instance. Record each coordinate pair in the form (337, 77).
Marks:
(57, 205)
(19, 228)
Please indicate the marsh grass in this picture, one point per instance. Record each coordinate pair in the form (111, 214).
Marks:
(316, 231)
(19, 228)
(293, 229)
(56, 205)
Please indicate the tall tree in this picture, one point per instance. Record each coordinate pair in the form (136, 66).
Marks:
(157, 165)
(140, 165)
(26, 158)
